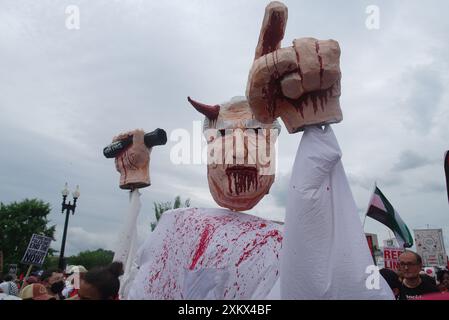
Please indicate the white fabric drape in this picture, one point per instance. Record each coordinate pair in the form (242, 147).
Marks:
(126, 246)
(325, 254)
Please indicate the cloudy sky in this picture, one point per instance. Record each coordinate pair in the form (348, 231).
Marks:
(64, 93)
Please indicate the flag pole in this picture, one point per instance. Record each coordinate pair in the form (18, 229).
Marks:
(366, 212)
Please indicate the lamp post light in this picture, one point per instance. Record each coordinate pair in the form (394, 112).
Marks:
(68, 207)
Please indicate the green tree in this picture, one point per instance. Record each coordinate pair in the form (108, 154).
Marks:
(91, 259)
(161, 207)
(18, 222)
(88, 259)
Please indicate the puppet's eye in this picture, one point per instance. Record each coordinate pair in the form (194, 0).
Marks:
(222, 132)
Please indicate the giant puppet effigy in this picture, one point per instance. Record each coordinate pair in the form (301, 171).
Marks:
(222, 253)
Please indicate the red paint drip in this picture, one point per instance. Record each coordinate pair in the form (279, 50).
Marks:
(314, 96)
(202, 246)
(258, 244)
(248, 226)
(271, 92)
(244, 178)
(274, 34)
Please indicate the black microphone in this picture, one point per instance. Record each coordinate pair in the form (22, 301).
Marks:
(157, 137)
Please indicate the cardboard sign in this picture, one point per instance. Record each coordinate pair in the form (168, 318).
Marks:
(37, 250)
(391, 258)
(430, 246)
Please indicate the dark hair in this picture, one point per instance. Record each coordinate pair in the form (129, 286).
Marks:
(427, 278)
(391, 277)
(440, 275)
(48, 273)
(105, 280)
(8, 277)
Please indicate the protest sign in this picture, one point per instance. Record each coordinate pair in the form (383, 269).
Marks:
(37, 250)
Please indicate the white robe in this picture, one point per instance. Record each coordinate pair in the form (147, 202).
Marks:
(325, 254)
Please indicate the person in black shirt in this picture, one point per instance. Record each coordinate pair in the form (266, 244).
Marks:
(392, 279)
(413, 287)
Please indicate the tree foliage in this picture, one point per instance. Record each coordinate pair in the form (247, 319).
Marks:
(88, 259)
(18, 222)
(161, 207)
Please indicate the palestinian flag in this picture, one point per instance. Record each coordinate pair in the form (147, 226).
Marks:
(446, 170)
(380, 209)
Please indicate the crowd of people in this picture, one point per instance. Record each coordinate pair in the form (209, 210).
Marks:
(410, 282)
(101, 283)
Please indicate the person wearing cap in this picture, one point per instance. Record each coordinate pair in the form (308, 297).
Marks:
(27, 281)
(53, 281)
(35, 291)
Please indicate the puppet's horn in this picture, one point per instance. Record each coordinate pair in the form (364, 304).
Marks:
(210, 112)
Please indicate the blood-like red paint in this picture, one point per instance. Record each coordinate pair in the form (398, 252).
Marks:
(274, 33)
(257, 243)
(202, 245)
(243, 177)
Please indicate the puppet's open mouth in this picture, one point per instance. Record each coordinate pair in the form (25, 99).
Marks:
(242, 179)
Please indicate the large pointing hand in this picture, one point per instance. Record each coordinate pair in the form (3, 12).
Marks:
(293, 82)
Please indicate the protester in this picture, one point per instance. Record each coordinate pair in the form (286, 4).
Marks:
(35, 291)
(101, 283)
(427, 278)
(413, 287)
(4, 296)
(8, 286)
(27, 281)
(53, 281)
(30, 280)
(73, 276)
(392, 279)
(443, 280)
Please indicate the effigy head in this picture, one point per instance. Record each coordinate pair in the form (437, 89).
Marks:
(241, 153)
(301, 83)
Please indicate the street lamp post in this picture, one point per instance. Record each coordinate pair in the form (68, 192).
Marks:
(68, 207)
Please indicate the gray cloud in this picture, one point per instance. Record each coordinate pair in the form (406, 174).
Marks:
(432, 186)
(425, 86)
(410, 160)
